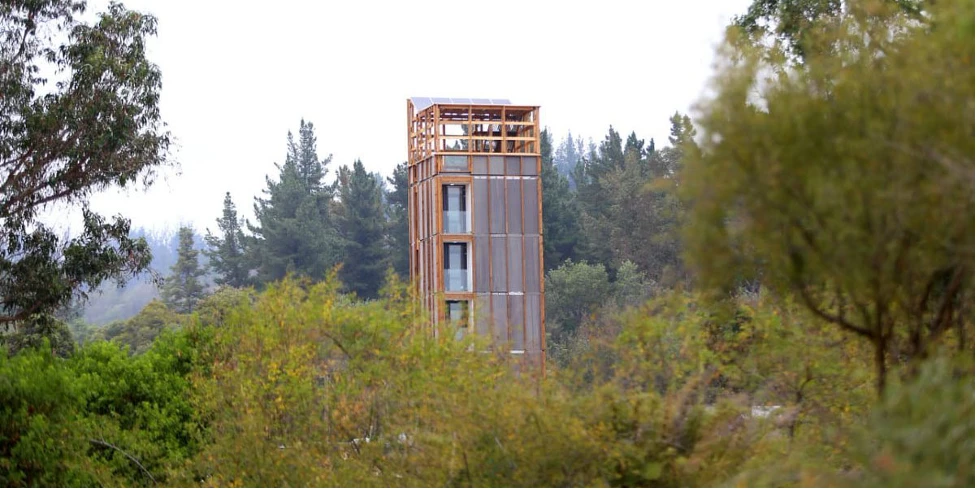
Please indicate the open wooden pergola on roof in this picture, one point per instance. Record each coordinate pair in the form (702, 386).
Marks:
(471, 126)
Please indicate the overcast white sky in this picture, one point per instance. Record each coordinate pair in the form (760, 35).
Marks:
(237, 76)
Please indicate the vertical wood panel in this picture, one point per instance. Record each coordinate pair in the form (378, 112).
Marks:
(480, 205)
(480, 165)
(498, 277)
(533, 331)
(482, 263)
(517, 333)
(500, 319)
(530, 202)
(497, 206)
(512, 166)
(496, 165)
(515, 266)
(532, 264)
(482, 315)
(513, 207)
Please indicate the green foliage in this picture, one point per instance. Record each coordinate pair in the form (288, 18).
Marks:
(848, 181)
(118, 302)
(627, 193)
(567, 154)
(594, 201)
(632, 287)
(841, 186)
(81, 331)
(294, 231)
(360, 221)
(139, 331)
(922, 434)
(182, 288)
(226, 250)
(560, 227)
(792, 23)
(573, 292)
(41, 436)
(140, 405)
(398, 232)
(37, 331)
(98, 127)
(99, 418)
(331, 393)
(300, 386)
(214, 309)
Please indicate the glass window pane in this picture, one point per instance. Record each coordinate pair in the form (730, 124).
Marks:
(457, 314)
(456, 267)
(530, 166)
(454, 203)
(455, 163)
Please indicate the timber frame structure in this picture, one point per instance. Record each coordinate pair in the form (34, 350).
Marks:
(475, 214)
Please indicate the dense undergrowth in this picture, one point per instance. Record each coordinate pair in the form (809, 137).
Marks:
(299, 386)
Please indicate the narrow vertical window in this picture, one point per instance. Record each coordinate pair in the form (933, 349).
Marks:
(456, 267)
(454, 203)
(457, 312)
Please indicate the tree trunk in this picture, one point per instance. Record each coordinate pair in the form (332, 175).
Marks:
(880, 363)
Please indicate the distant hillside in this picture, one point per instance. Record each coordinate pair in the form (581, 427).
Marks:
(112, 303)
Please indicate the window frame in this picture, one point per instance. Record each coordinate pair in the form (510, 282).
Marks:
(468, 265)
(466, 202)
(467, 316)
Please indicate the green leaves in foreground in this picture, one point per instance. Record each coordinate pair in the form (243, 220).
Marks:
(847, 181)
(300, 386)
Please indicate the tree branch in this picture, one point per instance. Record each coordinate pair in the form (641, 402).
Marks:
(939, 324)
(28, 29)
(106, 444)
(839, 320)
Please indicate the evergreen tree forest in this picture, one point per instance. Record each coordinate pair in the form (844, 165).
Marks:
(778, 293)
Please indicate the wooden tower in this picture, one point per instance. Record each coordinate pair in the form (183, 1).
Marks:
(475, 205)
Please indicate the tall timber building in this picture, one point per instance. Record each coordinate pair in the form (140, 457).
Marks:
(475, 204)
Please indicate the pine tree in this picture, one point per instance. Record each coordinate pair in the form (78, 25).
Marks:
(566, 156)
(682, 139)
(560, 227)
(226, 250)
(634, 145)
(361, 225)
(311, 170)
(596, 212)
(398, 232)
(182, 289)
(294, 231)
(646, 212)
